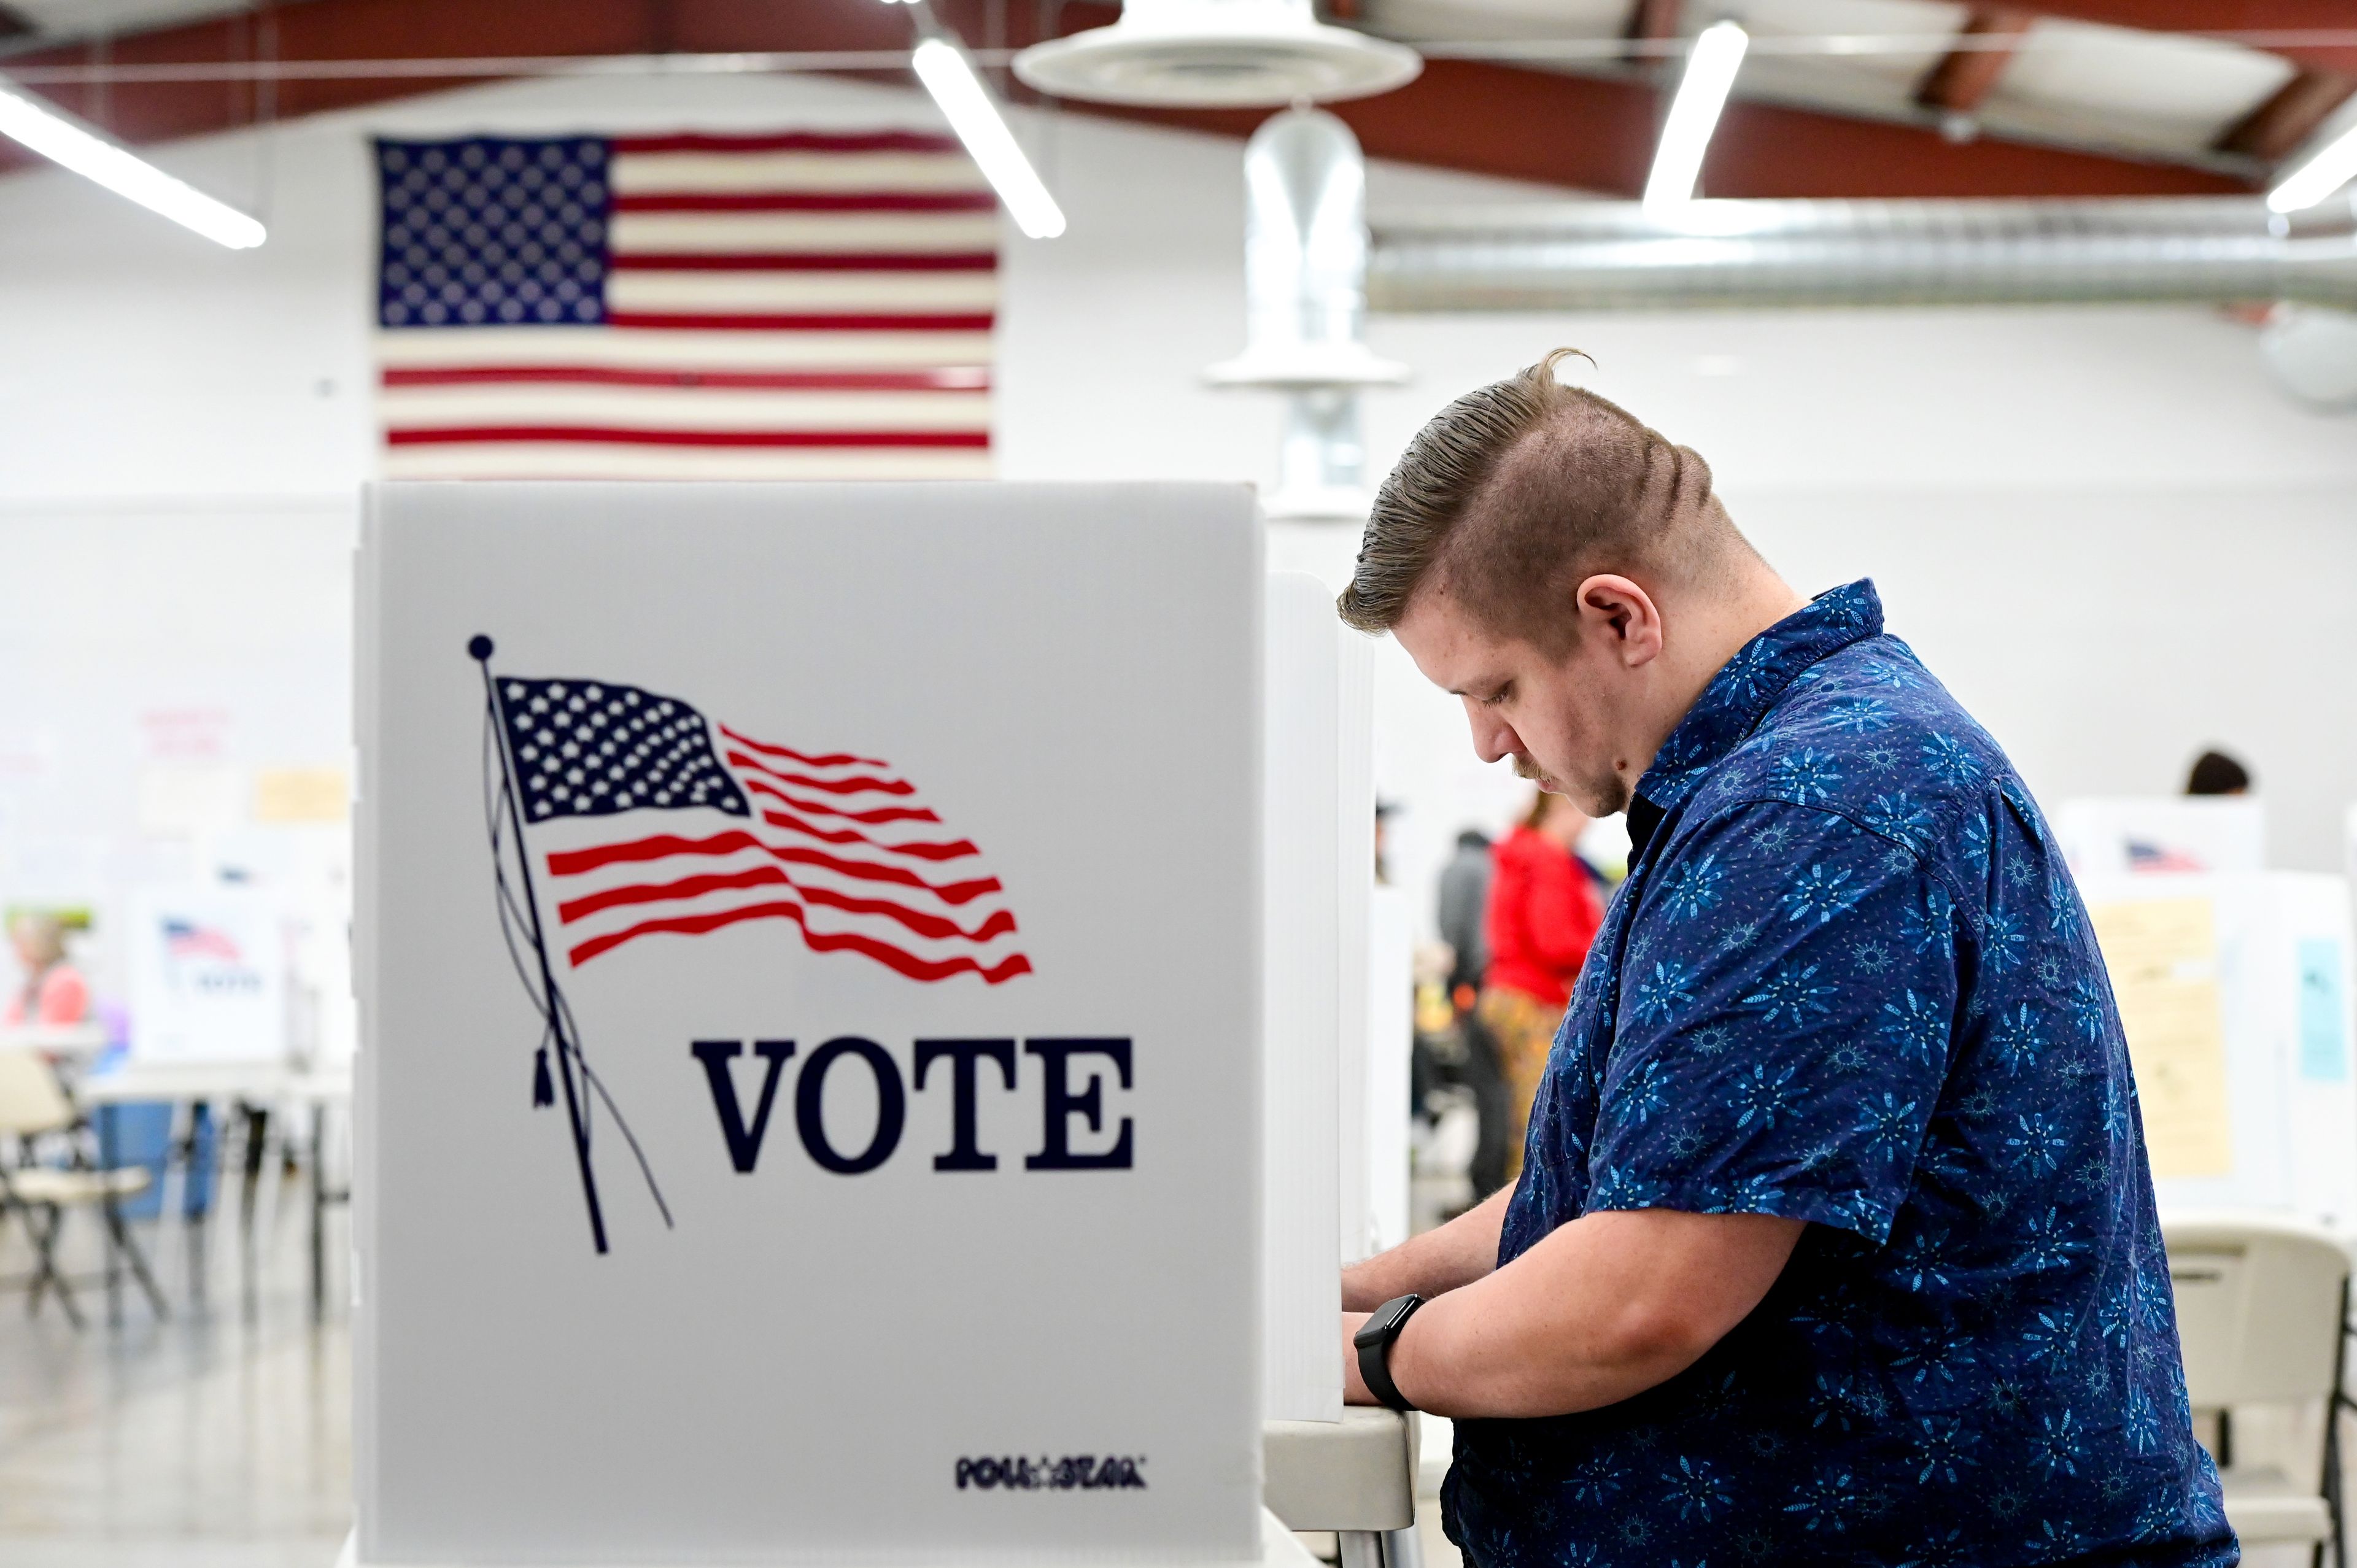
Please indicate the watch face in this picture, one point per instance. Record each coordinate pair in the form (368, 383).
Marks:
(1387, 1317)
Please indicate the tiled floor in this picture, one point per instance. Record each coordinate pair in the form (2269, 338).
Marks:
(219, 1439)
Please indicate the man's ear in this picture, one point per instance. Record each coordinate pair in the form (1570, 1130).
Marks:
(1625, 615)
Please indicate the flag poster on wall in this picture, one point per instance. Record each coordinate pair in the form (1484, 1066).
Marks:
(797, 306)
(809, 951)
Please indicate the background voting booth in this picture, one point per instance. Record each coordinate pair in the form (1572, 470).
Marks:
(208, 976)
(2233, 989)
(737, 1184)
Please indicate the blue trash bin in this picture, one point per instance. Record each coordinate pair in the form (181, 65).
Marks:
(139, 1133)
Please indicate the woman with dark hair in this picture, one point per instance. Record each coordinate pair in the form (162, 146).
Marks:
(2215, 773)
(1545, 906)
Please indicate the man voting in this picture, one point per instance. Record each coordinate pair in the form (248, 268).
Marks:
(1835, 1239)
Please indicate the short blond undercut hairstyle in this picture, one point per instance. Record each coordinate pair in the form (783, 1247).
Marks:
(1512, 495)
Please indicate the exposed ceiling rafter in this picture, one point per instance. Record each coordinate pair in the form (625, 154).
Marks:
(2272, 26)
(1965, 76)
(2275, 128)
(1475, 116)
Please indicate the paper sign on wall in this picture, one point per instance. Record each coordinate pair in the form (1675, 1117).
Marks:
(2323, 1008)
(2162, 954)
(300, 795)
(809, 968)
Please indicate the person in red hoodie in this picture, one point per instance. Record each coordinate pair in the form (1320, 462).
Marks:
(1545, 908)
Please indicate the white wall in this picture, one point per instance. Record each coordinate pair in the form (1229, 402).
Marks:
(2103, 526)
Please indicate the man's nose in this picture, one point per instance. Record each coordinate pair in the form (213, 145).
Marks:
(1492, 737)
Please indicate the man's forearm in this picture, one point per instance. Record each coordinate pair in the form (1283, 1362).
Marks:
(1605, 1308)
(1431, 1264)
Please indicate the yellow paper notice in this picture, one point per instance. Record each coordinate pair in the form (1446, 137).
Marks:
(2163, 958)
(300, 795)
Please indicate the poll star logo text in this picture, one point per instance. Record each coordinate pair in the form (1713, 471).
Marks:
(1076, 1131)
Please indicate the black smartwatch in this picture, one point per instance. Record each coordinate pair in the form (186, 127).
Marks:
(1374, 1339)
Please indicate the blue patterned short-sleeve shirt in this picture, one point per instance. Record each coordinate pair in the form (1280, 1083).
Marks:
(1849, 981)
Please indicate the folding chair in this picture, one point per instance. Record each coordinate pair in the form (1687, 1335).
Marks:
(32, 1104)
(2262, 1304)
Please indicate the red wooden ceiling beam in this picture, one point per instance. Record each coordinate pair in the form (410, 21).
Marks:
(2275, 128)
(1651, 21)
(1964, 77)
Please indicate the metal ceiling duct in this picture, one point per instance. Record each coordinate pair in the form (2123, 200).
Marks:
(1305, 308)
(1605, 255)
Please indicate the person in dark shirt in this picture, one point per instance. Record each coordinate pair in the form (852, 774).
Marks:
(1464, 904)
(1835, 1239)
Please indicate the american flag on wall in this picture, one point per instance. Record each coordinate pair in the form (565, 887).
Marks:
(798, 305)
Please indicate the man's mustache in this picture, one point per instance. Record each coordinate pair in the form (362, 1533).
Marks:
(1525, 769)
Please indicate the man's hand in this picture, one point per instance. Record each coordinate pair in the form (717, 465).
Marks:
(1606, 1307)
(1354, 1387)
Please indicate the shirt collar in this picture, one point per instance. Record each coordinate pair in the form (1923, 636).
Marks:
(1743, 691)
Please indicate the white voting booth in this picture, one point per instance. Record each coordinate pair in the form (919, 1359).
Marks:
(2162, 834)
(208, 976)
(2235, 994)
(811, 988)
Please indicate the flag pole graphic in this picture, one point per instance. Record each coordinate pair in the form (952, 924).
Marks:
(550, 1000)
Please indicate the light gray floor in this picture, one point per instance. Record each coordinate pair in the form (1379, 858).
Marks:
(218, 1438)
(222, 1438)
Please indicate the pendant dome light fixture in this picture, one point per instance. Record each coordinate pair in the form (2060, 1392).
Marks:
(1217, 54)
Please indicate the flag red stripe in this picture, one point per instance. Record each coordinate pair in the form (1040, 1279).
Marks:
(788, 142)
(800, 321)
(619, 435)
(956, 849)
(804, 262)
(831, 759)
(573, 862)
(573, 909)
(997, 923)
(881, 814)
(852, 786)
(892, 958)
(807, 201)
(959, 378)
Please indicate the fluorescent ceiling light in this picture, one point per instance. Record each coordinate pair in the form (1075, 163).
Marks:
(941, 66)
(1711, 66)
(92, 155)
(2326, 170)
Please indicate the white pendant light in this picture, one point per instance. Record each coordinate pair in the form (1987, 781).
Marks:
(1224, 53)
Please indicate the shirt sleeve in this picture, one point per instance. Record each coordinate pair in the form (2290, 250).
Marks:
(1783, 1024)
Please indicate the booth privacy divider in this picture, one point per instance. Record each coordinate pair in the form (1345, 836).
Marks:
(810, 968)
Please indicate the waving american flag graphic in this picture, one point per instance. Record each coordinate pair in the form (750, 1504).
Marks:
(617, 814)
(838, 845)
